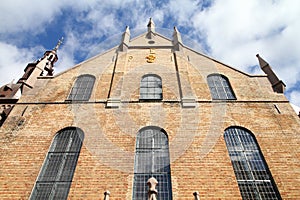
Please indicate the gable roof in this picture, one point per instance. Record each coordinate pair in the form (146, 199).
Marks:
(159, 41)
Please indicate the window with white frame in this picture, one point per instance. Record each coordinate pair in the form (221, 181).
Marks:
(56, 175)
(152, 160)
(253, 176)
(151, 87)
(82, 88)
(220, 87)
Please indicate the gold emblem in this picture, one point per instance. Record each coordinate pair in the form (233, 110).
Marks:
(151, 57)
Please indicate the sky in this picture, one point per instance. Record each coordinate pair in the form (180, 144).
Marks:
(231, 31)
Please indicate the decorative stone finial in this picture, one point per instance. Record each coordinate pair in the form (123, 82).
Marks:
(196, 195)
(277, 85)
(152, 193)
(151, 23)
(177, 41)
(58, 44)
(125, 40)
(151, 29)
(127, 30)
(106, 195)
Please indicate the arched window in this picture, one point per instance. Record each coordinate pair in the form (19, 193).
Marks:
(82, 88)
(220, 87)
(152, 160)
(252, 173)
(55, 178)
(151, 87)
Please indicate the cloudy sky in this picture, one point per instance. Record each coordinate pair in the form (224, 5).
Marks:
(232, 31)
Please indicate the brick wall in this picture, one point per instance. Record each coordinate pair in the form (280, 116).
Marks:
(198, 154)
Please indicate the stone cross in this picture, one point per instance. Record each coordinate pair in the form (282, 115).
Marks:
(196, 195)
(106, 195)
(152, 193)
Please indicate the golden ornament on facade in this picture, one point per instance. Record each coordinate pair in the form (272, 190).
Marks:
(151, 57)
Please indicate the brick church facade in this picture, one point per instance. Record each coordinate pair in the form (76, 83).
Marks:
(148, 119)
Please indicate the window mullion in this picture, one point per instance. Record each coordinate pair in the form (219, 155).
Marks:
(64, 158)
(252, 185)
(244, 154)
(151, 141)
(152, 155)
(50, 184)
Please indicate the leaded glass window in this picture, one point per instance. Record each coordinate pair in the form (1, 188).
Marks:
(220, 87)
(253, 176)
(151, 87)
(152, 160)
(55, 178)
(82, 88)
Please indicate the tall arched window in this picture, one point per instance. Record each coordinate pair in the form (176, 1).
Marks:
(220, 87)
(55, 178)
(82, 88)
(151, 87)
(252, 173)
(152, 160)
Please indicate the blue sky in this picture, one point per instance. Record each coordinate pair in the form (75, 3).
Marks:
(231, 31)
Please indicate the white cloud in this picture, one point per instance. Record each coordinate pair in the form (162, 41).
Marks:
(66, 54)
(13, 61)
(294, 97)
(236, 31)
(19, 15)
(182, 11)
(296, 109)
